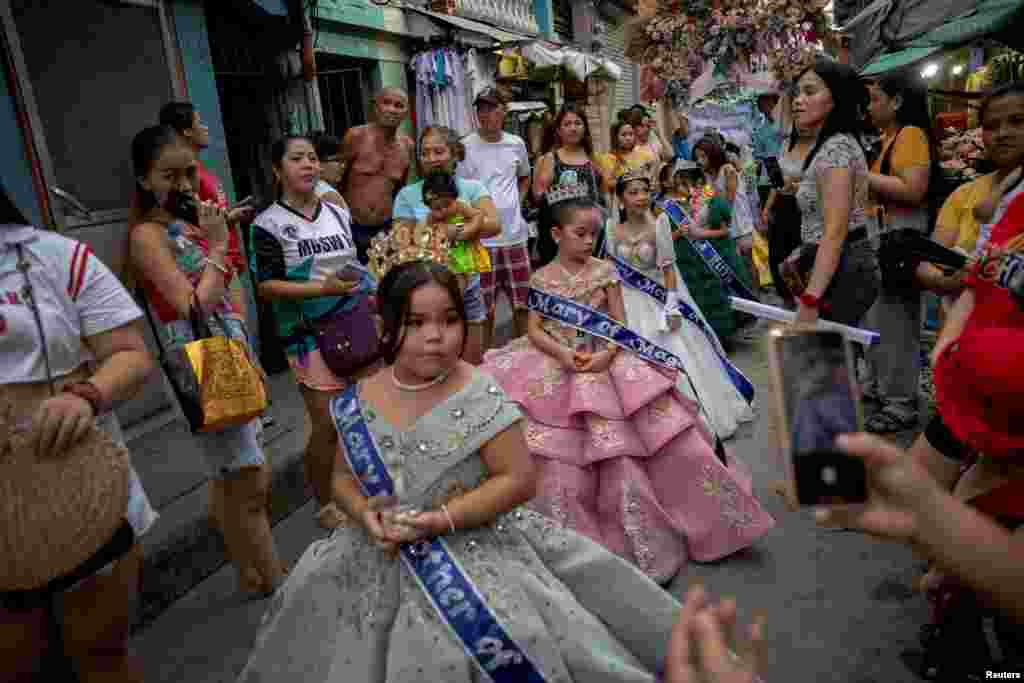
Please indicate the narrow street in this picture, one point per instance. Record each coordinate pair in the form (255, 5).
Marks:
(840, 606)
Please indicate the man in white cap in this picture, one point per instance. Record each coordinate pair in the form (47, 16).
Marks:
(499, 160)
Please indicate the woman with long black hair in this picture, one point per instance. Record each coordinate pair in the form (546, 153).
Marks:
(837, 260)
(782, 214)
(900, 180)
(177, 247)
(570, 161)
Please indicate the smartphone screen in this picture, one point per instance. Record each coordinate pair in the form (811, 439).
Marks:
(350, 272)
(771, 165)
(817, 401)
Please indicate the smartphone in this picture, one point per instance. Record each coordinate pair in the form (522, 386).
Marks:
(247, 202)
(350, 272)
(816, 399)
(771, 165)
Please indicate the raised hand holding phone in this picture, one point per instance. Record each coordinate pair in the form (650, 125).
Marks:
(815, 401)
(213, 223)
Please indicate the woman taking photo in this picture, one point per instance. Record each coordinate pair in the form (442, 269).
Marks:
(899, 182)
(439, 152)
(571, 161)
(68, 353)
(301, 248)
(782, 214)
(176, 249)
(838, 262)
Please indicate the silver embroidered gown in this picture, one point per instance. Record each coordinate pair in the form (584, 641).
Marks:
(349, 613)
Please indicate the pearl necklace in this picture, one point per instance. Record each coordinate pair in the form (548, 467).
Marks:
(569, 274)
(402, 386)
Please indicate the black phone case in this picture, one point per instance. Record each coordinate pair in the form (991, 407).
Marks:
(815, 487)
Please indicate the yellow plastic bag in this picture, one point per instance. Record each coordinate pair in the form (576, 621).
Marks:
(760, 255)
(232, 390)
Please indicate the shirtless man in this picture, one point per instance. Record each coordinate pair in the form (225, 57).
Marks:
(377, 160)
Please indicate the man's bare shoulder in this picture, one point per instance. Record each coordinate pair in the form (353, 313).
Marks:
(405, 141)
(356, 132)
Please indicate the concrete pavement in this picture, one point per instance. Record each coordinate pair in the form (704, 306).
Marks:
(839, 605)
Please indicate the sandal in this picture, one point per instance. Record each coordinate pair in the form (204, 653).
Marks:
(889, 421)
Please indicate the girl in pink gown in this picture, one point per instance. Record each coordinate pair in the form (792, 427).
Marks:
(623, 456)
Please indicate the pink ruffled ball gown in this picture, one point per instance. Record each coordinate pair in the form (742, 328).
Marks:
(623, 456)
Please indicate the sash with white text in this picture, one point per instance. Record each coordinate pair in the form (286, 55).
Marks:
(712, 259)
(437, 571)
(631, 277)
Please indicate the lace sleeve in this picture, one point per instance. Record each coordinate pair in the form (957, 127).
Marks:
(839, 151)
(663, 240)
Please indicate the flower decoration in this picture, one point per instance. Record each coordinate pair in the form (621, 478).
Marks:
(684, 35)
(961, 152)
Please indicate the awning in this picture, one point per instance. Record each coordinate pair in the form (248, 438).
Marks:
(894, 26)
(499, 36)
(897, 60)
(526, 110)
(991, 18)
(580, 64)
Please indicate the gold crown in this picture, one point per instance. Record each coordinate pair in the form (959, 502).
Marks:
(567, 193)
(405, 243)
(631, 174)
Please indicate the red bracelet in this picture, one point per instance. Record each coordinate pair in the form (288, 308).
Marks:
(809, 300)
(89, 392)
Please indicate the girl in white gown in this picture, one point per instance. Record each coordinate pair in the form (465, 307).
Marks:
(645, 245)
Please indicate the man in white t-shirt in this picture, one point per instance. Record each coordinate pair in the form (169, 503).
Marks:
(499, 161)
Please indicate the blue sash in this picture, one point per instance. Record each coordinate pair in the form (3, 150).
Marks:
(712, 259)
(437, 571)
(586, 319)
(632, 277)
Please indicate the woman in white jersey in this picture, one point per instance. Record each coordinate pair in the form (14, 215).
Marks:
(300, 244)
(94, 354)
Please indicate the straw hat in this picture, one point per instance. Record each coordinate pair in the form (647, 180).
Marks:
(55, 514)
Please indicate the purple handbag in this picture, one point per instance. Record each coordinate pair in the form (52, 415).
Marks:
(348, 340)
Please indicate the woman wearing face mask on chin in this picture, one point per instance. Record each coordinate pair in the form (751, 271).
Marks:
(837, 261)
(177, 248)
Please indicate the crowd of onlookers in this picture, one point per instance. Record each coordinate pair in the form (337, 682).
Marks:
(955, 498)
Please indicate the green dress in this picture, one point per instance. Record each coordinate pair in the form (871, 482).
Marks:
(705, 286)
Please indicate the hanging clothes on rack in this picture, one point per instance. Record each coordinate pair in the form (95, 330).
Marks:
(442, 98)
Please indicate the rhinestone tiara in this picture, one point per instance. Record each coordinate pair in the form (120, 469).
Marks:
(405, 243)
(567, 193)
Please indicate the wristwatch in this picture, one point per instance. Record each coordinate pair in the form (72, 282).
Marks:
(88, 391)
(809, 300)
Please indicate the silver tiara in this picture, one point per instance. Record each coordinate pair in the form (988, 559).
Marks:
(567, 193)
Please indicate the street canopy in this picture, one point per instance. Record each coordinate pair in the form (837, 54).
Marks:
(891, 34)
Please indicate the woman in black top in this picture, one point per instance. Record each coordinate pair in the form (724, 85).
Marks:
(571, 161)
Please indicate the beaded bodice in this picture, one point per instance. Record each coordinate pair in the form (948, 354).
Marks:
(586, 287)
